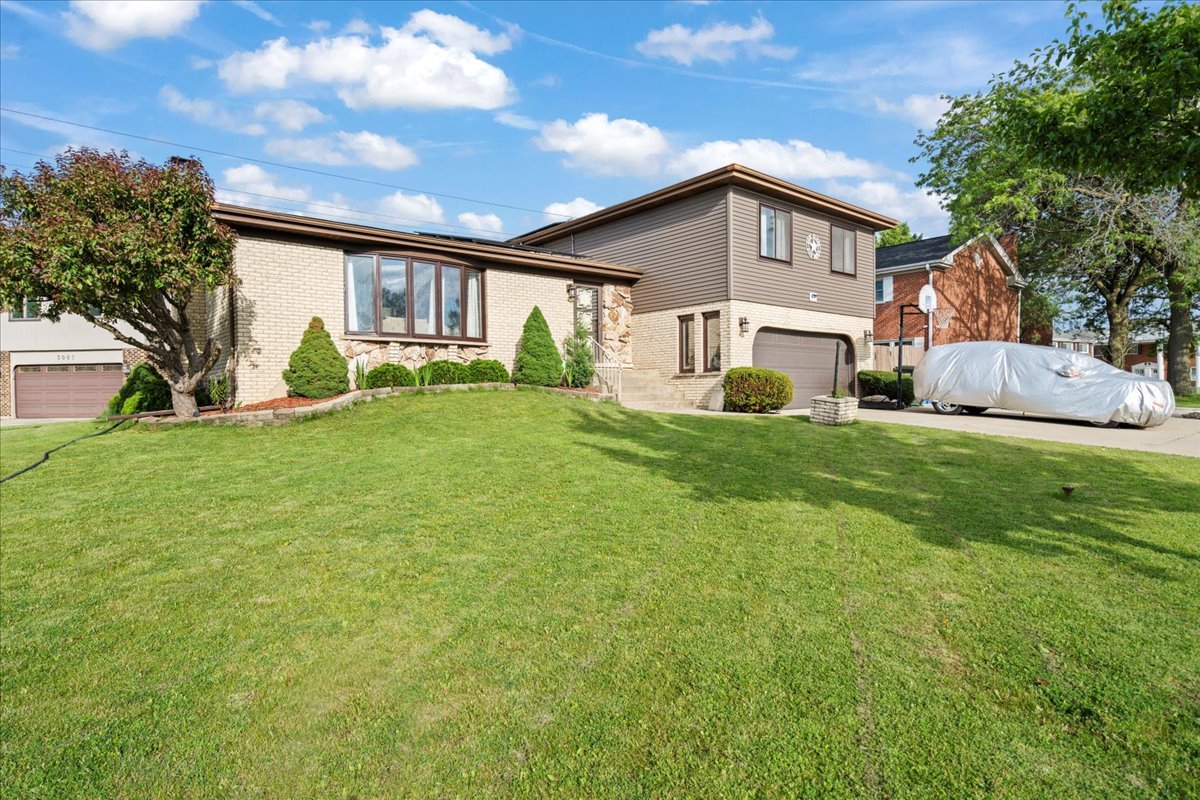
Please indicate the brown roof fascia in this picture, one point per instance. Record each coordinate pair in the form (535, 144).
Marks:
(731, 175)
(362, 236)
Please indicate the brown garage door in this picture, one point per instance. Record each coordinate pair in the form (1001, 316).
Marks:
(806, 358)
(61, 390)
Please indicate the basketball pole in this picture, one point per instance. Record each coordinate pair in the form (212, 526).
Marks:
(906, 308)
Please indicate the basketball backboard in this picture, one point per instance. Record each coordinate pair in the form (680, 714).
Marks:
(927, 299)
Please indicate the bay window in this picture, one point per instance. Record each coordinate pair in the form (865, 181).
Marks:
(401, 297)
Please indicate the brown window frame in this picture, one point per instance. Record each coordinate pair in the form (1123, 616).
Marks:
(25, 303)
(704, 318)
(377, 294)
(853, 250)
(791, 237)
(684, 321)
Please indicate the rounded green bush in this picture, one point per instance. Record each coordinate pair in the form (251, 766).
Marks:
(538, 362)
(444, 372)
(390, 375)
(316, 368)
(144, 383)
(755, 390)
(873, 382)
(487, 370)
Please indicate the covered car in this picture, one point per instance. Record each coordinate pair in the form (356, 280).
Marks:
(976, 376)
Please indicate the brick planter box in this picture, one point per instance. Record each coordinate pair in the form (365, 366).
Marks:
(826, 410)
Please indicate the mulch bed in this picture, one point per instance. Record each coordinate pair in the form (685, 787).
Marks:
(283, 402)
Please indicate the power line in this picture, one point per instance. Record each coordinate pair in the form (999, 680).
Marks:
(314, 204)
(278, 164)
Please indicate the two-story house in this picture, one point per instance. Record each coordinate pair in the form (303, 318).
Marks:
(739, 269)
(64, 369)
(731, 268)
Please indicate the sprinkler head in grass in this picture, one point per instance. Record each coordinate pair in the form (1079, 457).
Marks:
(1068, 491)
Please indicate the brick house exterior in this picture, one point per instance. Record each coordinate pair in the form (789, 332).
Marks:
(978, 281)
(1147, 357)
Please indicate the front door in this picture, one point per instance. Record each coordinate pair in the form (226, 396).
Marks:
(587, 309)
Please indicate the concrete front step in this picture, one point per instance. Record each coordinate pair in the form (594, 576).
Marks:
(648, 390)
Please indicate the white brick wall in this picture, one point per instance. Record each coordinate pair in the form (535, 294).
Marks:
(657, 338)
(285, 284)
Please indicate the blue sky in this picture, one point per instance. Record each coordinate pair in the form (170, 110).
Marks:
(493, 118)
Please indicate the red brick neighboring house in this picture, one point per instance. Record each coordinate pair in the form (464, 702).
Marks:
(978, 280)
(1147, 357)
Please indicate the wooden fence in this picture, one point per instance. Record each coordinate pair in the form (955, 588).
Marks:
(886, 355)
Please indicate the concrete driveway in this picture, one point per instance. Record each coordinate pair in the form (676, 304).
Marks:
(1177, 435)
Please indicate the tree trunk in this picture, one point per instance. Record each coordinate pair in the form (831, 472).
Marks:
(183, 403)
(1181, 335)
(1117, 312)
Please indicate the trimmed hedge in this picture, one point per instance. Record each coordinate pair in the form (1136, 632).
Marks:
(445, 372)
(754, 389)
(537, 362)
(316, 369)
(487, 370)
(143, 390)
(390, 375)
(883, 382)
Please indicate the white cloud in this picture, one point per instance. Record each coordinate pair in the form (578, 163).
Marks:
(207, 112)
(430, 63)
(579, 207)
(196, 62)
(923, 110)
(318, 25)
(454, 32)
(519, 121)
(920, 209)
(413, 208)
(942, 63)
(258, 11)
(602, 146)
(549, 81)
(793, 160)
(10, 51)
(364, 147)
(720, 42)
(253, 178)
(108, 24)
(481, 223)
(289, 115)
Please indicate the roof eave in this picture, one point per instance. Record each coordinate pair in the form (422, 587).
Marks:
(365, 236)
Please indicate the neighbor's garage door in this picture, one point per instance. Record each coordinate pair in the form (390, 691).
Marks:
(806, 358)
(59, 390)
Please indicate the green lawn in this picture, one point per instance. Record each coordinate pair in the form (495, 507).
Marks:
(1187, 400)
(498, 594)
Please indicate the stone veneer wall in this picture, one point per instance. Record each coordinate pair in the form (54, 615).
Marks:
(286, 283)
(657, 336)
(6, 377)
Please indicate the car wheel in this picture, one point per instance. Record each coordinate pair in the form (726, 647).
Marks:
(975, 409)
(947, 408)
(1109, 424)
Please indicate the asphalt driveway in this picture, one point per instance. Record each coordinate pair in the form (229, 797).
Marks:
(1177, 435)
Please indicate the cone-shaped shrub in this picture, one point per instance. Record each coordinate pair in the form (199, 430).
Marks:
(537, 362)
(316, 368)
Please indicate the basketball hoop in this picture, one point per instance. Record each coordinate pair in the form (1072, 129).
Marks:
(942, 317)
(927, 299)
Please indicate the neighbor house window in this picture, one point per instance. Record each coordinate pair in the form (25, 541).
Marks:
(712, 341)
(412, 297)
(843, 250)
(774, 233)
(28, 309)
(687, 344)
(883, 289)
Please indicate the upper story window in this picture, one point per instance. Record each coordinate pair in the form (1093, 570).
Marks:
(843, 251)
(774, 233)
(410, 296)
(883, 289)
(28, 309)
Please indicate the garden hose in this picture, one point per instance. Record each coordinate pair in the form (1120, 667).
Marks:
(46, 455)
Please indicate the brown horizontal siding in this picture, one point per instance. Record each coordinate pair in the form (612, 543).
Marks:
(757, 280)
(681, 247)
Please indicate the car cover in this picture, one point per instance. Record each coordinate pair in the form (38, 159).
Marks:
(1040, 380)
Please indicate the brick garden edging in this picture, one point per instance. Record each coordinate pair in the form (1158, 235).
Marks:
(279, 416)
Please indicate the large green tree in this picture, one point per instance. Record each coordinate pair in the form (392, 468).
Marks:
(901, 234)
(1122, 101)
(125, 244)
